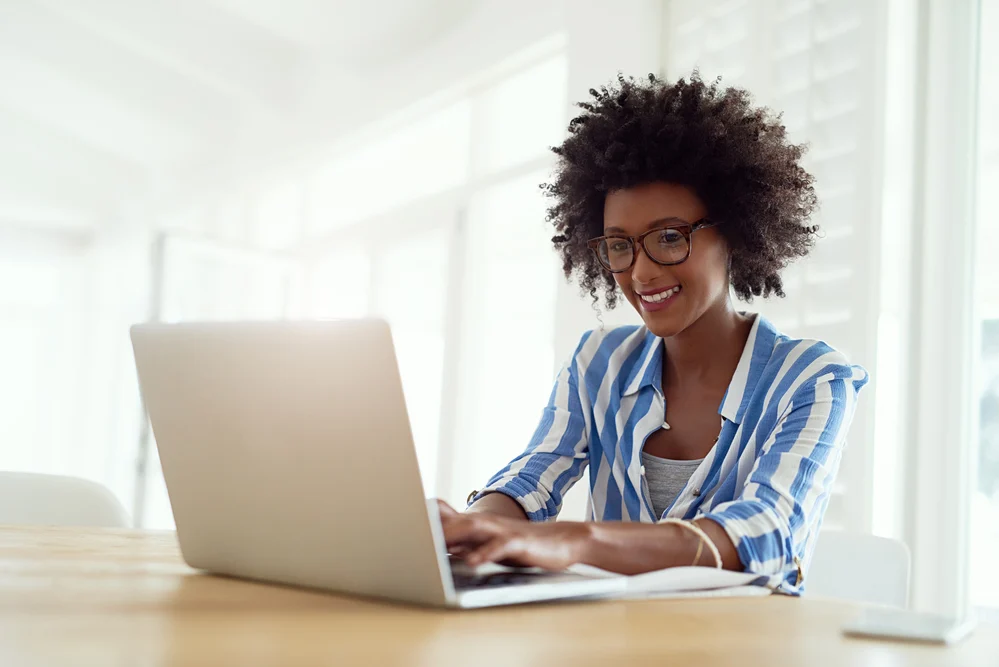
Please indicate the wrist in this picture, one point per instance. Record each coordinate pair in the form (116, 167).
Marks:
(584, 542)
(587, 542)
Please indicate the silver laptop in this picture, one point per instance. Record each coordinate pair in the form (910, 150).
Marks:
(288, 458)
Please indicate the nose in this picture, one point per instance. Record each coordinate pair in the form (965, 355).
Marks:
(645, 271)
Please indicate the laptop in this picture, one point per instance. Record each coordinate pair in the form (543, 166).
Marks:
(288, 458)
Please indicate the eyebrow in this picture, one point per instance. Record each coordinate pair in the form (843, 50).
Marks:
(651, 225)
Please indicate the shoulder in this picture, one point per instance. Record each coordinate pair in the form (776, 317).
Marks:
(798, 364)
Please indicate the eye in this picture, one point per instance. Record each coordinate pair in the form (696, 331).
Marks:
(670, 237)
(619, 245)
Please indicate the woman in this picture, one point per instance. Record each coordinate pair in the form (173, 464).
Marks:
(711, 438)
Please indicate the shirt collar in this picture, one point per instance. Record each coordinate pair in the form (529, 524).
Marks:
(755, 356)
(647, 370)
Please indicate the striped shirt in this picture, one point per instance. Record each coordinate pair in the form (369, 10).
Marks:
(766, 480)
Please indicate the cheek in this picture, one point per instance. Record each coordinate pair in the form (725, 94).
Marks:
(623, 283)
(707, 276)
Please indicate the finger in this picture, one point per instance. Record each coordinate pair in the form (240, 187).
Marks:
(497, 549)
(469, 530)
(446, 511)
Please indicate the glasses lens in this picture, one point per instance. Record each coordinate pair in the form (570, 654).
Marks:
(667, 246)
(616, 254)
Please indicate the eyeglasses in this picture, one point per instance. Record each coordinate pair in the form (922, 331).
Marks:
(665, 245)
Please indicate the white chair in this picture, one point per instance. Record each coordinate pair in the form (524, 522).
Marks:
(859, 568)
(54, 500)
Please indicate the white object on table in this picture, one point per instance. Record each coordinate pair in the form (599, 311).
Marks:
(887, 623)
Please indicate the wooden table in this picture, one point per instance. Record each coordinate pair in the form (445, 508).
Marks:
(101, 597)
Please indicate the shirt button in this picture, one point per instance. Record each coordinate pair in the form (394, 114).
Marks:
(697, 493)
(641, 471)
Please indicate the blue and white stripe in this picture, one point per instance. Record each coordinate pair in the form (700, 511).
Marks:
(767, 479)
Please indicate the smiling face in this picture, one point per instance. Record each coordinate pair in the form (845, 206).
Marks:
(669, 298)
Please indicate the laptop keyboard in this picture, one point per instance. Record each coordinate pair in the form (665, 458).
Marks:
(494, 579)
(465, 577)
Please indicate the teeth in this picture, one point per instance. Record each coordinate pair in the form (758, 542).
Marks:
(661, 296)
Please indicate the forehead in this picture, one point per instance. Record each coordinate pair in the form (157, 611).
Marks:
(632, 209)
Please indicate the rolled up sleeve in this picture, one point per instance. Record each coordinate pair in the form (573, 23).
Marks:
(773, 523)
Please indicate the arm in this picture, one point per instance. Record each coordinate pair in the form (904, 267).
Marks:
(764, 530)
(633, 548)
(499, 504)
(627, 548)
(775, 519)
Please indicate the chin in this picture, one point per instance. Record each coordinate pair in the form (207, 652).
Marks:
(664, 327)
(665, 323)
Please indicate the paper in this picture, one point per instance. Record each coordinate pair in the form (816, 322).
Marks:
(684, 582)
(734, 592)
(681, 579)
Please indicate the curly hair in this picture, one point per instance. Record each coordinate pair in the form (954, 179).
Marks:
(735, 156)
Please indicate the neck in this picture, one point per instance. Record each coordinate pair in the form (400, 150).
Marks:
(709, 350)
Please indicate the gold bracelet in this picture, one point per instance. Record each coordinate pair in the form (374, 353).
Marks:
(702, 536)
(700, 548)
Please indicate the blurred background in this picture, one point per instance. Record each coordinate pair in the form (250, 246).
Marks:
(243, 159)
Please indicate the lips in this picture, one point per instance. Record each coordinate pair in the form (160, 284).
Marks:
(655, 300)
(659, 295)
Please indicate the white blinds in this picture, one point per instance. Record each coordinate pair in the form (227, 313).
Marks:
(816, 61)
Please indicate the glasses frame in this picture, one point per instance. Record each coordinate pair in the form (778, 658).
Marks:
(682, 226)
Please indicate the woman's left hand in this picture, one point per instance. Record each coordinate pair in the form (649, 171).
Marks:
(478, 537)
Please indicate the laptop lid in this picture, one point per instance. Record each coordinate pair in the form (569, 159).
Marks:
(288, 456)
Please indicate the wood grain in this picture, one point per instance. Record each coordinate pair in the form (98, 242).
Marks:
(104, 597)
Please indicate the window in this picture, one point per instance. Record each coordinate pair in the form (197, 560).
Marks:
(450, 202)
(277, 220)
(509, 130)
(417, 317)
(397, 267)
(21, 358)
(41, 353)
(326, 275)
(508, 328)
(421, 157)
(985, 500)
(206, 280)
(984, 547)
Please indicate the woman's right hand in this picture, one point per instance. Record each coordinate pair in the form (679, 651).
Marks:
(481, 537)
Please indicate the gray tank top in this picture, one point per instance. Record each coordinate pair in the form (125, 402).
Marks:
(666, 479)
